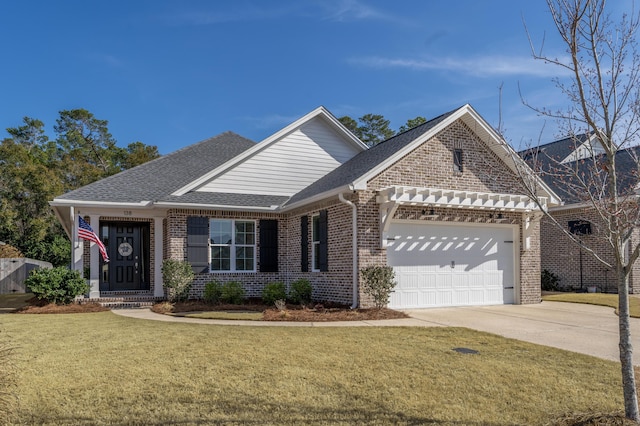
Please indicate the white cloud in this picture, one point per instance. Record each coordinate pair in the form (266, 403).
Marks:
(349, 10)
(484, 66)
(106, 59)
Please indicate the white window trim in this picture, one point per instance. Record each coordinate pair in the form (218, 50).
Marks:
(315, 243)
(233, 246)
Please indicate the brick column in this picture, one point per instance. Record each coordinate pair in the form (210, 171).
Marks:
(158, 284)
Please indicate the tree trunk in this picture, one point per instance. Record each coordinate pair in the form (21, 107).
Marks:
(626, 349)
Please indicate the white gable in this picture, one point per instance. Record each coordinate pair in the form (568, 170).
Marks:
(289, 164)
(590, 148)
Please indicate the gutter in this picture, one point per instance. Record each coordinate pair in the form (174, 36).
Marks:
(354, 255)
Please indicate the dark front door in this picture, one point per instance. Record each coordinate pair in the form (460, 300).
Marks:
(128, 249)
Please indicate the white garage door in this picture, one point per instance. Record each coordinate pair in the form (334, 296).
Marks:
(451, 265)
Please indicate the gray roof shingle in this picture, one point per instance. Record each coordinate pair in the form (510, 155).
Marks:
(545, 159)
(159, 178)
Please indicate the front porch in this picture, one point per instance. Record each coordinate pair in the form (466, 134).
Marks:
(123, 300)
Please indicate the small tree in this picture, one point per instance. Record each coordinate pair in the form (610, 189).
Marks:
(177, 276)
(602, 89)
(378, 282)
(59, 285)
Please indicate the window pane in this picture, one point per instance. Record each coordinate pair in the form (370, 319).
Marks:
(244, 258)
(220, 231)
(220, 258)
(316, 228)
(245, 232)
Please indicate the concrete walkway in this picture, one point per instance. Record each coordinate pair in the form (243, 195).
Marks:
(587, 329)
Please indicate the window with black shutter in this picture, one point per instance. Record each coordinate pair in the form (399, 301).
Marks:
(268, 245)
(304, 244)
(198, 243)
(323, 247)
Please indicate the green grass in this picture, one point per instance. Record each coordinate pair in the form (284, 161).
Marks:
(601, 299)
(101, 368)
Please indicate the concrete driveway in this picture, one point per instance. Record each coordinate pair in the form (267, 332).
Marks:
(587, 329)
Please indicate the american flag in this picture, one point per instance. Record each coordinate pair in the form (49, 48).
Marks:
(86, 233)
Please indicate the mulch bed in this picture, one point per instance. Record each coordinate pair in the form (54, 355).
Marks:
(39, 307)
(316, 313)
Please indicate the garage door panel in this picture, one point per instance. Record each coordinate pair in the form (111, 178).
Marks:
(443, 265)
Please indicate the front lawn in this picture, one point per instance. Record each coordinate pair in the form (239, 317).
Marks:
(601, 299)
(100, 368)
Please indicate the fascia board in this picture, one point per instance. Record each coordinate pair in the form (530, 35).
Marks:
(499, 146)
(65, 224)
(273, 208)
(319, 197)
(570, 207)
(69, 202)
(320, 111)
(466, 112)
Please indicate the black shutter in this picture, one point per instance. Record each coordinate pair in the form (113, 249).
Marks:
(323, 246)
(268, 245)
(304, 243)
(198, 243)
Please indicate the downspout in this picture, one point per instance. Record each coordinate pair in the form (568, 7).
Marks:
(354, 255)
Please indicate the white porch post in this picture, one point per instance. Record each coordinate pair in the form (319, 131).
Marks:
(76, 246)
(94, 259)
(158, 249)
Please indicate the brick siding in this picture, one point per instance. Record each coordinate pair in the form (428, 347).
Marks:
(561, 256)
(429, 165)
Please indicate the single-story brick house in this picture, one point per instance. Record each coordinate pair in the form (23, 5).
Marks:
(577, 269)
(441, 203)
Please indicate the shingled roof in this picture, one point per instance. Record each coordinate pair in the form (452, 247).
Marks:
(158, 179)
(545, 160)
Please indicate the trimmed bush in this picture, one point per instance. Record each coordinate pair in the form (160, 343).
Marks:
(549, 281)
(57, 285)
(232, 292)
(177, 276)
(300, 292)
(274, 291)
(212, 292)
(378, 282)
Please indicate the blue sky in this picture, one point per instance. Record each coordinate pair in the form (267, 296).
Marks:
(171, 73)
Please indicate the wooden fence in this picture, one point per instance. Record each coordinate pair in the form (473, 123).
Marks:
(13, 272)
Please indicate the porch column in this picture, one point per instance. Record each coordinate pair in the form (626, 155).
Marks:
(76, 246)
(158, 284)
(94, 260)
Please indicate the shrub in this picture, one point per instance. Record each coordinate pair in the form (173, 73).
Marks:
(378, 282)
(7, 250)
(274, 291)
(57, 285)
(549, 281)
(300, 292)
(212, 292)
(177, 276)
(232, 292)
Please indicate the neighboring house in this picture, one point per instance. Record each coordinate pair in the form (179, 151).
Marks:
(441, 203)
(574, 266)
